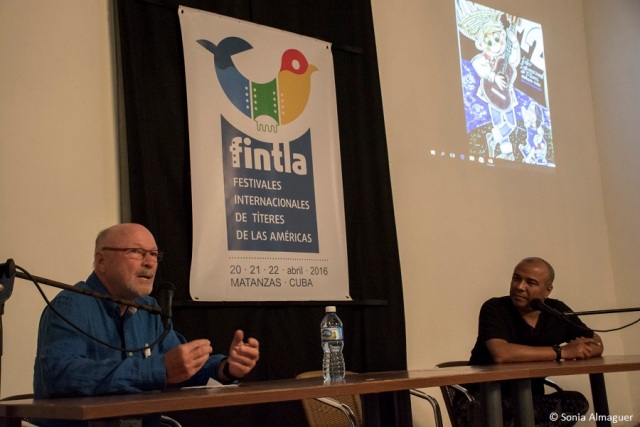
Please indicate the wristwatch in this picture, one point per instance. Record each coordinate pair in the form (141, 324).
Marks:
(226, 373)
(558, 351)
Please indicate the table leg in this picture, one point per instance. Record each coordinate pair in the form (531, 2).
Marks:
(524, 400)
(599, 395)
(492, 403)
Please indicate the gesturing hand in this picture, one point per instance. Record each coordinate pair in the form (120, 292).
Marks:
(185, 360)
(242, 355)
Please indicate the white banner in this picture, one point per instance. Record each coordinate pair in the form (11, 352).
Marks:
(268, 208)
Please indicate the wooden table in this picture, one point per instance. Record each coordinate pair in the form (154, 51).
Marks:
(100, 408)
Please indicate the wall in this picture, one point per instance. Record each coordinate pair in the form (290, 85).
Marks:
(614, 57)
(58, 184)
(462, 227)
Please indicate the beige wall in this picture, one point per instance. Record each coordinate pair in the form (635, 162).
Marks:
(460, 229)
(614, 57)
(58, 184)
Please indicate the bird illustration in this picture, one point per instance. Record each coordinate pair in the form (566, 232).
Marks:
(273, 103)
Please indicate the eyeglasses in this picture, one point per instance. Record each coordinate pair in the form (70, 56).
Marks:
(138, 253)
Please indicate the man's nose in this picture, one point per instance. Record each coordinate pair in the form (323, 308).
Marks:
(149, 260)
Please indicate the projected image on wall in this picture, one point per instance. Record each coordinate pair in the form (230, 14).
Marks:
(504, 88)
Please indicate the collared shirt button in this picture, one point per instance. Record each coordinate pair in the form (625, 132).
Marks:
(130, 353)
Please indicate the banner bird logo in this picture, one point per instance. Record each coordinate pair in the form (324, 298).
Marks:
(277, 102)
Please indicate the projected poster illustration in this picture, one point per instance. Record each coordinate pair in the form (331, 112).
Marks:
(504, 87)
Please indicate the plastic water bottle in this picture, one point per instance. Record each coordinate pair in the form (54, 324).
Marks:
(332, 344)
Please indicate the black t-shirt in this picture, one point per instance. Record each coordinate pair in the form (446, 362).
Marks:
(499, 318)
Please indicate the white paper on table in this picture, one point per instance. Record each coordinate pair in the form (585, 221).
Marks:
(212, 384)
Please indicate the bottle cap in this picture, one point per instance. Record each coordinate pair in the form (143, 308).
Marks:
(330, 309)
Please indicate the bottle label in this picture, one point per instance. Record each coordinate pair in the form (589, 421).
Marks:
(331, 334)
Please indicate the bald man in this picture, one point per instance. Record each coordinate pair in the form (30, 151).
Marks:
(120, 354)
(510, 330)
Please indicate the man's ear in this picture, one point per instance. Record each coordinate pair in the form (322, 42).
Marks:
(549, 289)
(98, 260)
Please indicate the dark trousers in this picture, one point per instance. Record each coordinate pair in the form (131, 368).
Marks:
(562, 408)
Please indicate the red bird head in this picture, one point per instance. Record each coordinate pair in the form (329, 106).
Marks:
(293, 60)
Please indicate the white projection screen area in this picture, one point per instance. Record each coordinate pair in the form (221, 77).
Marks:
(504, 89)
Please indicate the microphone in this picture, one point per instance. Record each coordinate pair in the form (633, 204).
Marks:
(165, 297)
(539, 305)
(7, 277)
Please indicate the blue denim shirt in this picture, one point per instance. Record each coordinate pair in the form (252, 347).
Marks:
(68, 363)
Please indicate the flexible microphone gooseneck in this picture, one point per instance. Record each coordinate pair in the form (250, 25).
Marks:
(8, 274)
(9, 268)
(539, 305)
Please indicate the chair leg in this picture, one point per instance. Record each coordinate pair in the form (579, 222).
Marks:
(346, 410)
(434, 404)
(166, 421)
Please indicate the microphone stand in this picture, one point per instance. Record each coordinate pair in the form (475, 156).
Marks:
(587, 313)
(8, 273)
(598, 386)
(154, 309)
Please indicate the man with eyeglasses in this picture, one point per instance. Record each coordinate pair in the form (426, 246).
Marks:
(117, 352)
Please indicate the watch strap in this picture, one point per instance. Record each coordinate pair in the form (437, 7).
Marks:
(558, 351)
(226, 372)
